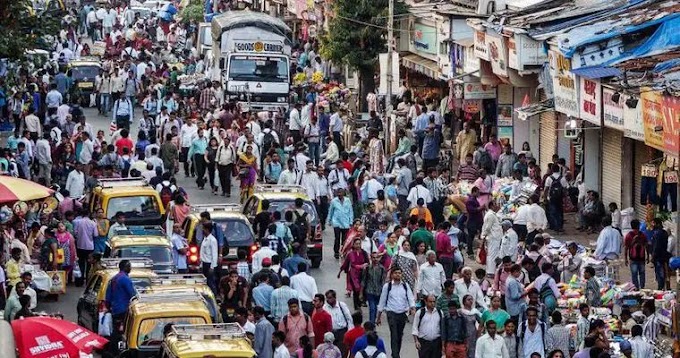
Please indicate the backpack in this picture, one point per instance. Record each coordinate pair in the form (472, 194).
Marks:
(422, 314)
(166, 195)
(485, 161)
(285, 321)
(556, 191)
(302, 225)
(520, 336)
(268, 141)
(547, 296)
(126, 167)
(389, 288)
(374, 355)
(638, 249)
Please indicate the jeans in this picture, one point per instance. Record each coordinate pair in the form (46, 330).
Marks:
(660, 273)
(199, 163)
(315, 152)
(396, 322)
(82, 264)
(209, 276)
(637, 271)
(648, 190)
(473, 229)
(447, 263)
(123, 121)
(211, 175)
(322, 209)
(224, 172)
(372, 301)
(117, 322)
(104, 102)
(669, 191)
(430, 348)
(340, 236)
(555, 215)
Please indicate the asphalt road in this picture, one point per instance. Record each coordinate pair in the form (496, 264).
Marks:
(326, 275)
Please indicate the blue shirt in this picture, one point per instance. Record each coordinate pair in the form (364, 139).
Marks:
(431, 146)
(53, 99)
(608, 244)
(262, 296)
(119, 293)
(514, 302)
(273, 171)
(198, 146)
(362, 343)
(341, 214)
(62, 82)
(291, 264)
(324, 123)
(421, 123)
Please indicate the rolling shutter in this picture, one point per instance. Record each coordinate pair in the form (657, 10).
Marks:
(642, 156)
(611, 166)
(548, 135)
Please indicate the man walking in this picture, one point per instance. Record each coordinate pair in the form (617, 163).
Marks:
(118, 296)
(555, 187)
(531, 334)
(635, 251)
(453, 332)
(341, 318)
(427, 329)
(340, 217)
(263, 333)
(492, 344)
(397, 300)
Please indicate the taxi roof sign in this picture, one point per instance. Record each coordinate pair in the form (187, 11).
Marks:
(216, 207)
(202, 332)
(122, 182)
(276, 188)
(179, 279)
(139, 262)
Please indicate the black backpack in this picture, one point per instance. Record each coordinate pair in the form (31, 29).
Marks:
(268, 141)
(556, 191)
(422, 314)
(374, 355)
(301, 225)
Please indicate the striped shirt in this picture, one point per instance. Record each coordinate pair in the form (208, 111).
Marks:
(243, 270)
(468, 172)
(436, 187)
(650, 329)
(279, 301)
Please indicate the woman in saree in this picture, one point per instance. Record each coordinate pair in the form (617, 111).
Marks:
(406, 261)
(101, 240)
(388, 249)
(496, 313)
(247, 163)
(351, 234)
(355, 261)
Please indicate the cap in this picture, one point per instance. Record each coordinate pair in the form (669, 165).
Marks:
(547, 236)
(625, 345)
(329, 337)
(266, 261)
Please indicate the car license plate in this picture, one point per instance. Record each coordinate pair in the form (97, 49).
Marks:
(232, 251)
(85, 85)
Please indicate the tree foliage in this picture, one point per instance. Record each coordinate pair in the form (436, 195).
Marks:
(193, 12)
(23, 28)
(358, 33)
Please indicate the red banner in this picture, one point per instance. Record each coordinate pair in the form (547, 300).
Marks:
(671, 124)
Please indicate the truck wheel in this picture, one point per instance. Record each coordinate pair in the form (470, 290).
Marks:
(316, 262)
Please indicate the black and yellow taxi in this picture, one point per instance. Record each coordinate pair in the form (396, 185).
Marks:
(144, 242)
(150, 312)
(93, 299)
(226, 340)
(134, 197)
(84, 71)
(230, 223)
(282, 198)
(187, 282)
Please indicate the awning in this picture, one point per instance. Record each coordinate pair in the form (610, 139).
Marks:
(535, 108)
(597, 72)
(465, 41)
(422, 65)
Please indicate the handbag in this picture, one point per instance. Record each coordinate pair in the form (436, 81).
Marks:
(60, 256)
(481, 254)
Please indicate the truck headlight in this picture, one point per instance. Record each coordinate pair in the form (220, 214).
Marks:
(282, 99)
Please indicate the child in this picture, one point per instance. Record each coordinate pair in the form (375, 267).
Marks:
(592, 290)
(616, 216)
(484, 282)
(242, 265)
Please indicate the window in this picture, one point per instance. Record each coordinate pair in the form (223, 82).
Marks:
(159, 254)
(133, 207)
(256, 68)
(87, 73)
(151, 330)
(285, 205)
(236, 232)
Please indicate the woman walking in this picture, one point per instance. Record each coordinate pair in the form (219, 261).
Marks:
(355, 262)
(211, 162)
(406, 261)
(247, 163)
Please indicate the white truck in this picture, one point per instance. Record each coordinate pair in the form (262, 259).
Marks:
(252, 59)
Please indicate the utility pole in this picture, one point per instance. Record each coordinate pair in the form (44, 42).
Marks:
(388, 95)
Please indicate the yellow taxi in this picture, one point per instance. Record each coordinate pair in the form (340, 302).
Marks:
(144, 242)
(227, 340)
(84, 71)
(92, 301)
(282, 198)
(187, 282)
(148, 315)
(232, 224)
(134, 197)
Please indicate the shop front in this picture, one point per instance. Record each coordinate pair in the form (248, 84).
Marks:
(423, 75)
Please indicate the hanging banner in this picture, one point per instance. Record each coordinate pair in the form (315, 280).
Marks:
(504, 115)
(632, 119)
(613, 111)
(478, 91)
(481, 48)
(590, 96)
(671, 124)
(652, 117)
(564, 85)
(498, 54)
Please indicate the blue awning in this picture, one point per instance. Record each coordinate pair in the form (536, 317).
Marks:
(596, 72)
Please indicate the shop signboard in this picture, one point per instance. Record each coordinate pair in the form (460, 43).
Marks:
(505, 135)
(613, 111)
(470, 61)
(632, 119)
(564, 85)
(481, 47)
(478, 91)
(424, 39)
(590, 96)
(652, 118)
(524, 51)
(498, 54)
(671, 124)
(504, 115)
(472, 106)
(291, 5)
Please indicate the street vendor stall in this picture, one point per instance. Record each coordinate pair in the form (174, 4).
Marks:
(16, 189)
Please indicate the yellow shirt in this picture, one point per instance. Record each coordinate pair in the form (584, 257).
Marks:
(13, 272)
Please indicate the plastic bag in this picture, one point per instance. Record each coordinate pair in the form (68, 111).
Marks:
(76, 272)
(481, 254)
(105, 324)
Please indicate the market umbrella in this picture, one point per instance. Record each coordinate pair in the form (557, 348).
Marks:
(42, 337)
(15, 189)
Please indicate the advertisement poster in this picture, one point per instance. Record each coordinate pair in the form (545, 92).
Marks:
(504, 115)
(613, 111)
(652, 118)
(498, 53)
(58, 280)
(671, 124)
(505, 135)
(633, 124)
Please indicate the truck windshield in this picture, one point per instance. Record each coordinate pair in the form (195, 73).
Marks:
(258, 68)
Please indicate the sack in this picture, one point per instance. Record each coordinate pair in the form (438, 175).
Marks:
(485, 161)
(105, 324)
(556, 191)
(638, 249)
(166, 195)
(481, 255)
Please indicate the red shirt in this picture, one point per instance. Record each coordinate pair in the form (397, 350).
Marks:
(347, 165)
(352, 335)
(322, 323)
(124, 143)
(443, 245)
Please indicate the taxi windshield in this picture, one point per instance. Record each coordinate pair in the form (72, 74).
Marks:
(159, 254)
(133, 206)
(151, 330)
(285, 205)
(141, 282)
(236, 232)
(85, 72)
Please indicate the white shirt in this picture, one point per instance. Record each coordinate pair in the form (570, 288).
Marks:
(260, 137)
(332, 153)
(488, 347)
(294, 122)
(209, 250)
(522, 215)
(372, 187)
(301, 162)
(335, 122)
(32, 124)
(75, 184)
(306, 115)
(178, 242)
(186, 135)
(431, 279)
(255, 128)
(641, 347)
(310, 181)
(259, 255)
(370, 350)
(536, 219)
(340, 315)
(323, 189)
(281, 352)
(338, 178)
(305, 285)
(418, 191)
(31, 293)
(430, 328)
(86, 152)
(289, 177)
(461, 289)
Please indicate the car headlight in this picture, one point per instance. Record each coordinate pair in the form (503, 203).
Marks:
(282, 99)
